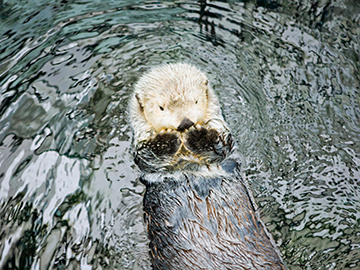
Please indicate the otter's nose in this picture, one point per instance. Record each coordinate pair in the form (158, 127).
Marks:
(185, 124)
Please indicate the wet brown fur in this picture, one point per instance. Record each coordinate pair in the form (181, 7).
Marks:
(206, 223)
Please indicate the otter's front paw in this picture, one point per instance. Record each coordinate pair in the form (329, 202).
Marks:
(164, 144)
(208, 143)
(201, 140)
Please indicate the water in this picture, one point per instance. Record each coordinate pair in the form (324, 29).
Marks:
(287, 76)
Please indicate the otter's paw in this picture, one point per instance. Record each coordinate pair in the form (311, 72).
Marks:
(164, 144)
(208, 143)
(201, 140)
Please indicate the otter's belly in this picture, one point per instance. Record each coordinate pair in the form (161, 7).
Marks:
(205, 220)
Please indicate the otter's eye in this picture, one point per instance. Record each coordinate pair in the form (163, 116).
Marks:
(161, 108)
(196, 102)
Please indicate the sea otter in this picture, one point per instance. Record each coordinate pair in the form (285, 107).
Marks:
(198, 209)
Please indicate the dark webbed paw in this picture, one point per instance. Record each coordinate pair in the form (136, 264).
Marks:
(208, 143)
(157, 152)
(164, 144)
(201, 140)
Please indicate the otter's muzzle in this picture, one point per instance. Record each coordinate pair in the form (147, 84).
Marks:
(185, 124)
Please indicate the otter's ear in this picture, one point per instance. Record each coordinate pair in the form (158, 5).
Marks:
(138, 100)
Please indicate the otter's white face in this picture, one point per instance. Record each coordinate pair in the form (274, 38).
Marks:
(169, 94)
(168, 113)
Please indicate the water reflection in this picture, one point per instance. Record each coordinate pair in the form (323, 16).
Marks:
(286, 73)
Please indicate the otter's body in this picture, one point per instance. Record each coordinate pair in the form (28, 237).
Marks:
(199, 211)
(206, 222)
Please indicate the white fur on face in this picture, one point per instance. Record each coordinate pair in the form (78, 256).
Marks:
(167, 94)
(168, 113)
(170, 93)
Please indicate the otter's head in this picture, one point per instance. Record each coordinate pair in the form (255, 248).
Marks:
(173, 96)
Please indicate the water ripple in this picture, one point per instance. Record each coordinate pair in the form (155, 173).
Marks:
(286, 73)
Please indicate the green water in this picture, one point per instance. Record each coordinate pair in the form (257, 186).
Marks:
(287, 77)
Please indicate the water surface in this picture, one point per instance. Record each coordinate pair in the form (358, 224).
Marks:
(287, 77)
